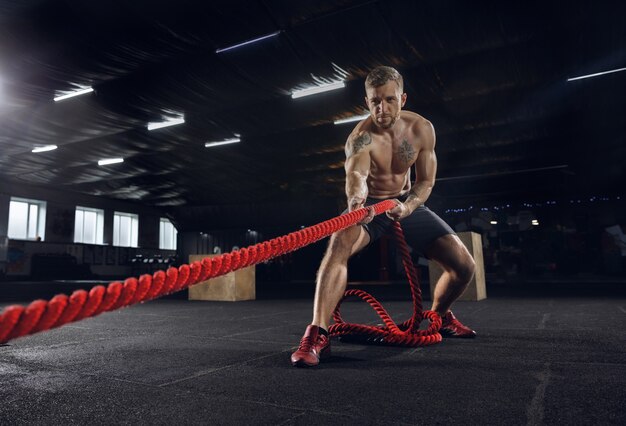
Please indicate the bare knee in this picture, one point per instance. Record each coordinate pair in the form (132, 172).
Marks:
(454, 259)
(461, 272)
(464, 272)
(341, 244)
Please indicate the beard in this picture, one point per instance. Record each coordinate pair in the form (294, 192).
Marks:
(387, 124)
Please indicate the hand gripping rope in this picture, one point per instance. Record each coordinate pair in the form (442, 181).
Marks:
(40, 315)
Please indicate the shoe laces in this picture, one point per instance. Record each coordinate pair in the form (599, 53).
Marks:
(305, 344)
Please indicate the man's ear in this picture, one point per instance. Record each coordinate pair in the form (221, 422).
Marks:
(366, 103)
(403, 97)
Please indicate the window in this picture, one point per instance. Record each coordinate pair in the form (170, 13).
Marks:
(125, 229)
(88, 225)
(27, 219)
(167, 235)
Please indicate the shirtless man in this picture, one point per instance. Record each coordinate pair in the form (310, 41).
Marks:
(380, 152)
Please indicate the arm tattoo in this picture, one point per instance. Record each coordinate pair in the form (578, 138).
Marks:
(406, 152)
(360, 142)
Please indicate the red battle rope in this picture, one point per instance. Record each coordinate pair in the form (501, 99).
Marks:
(40, 315)
(405, 334)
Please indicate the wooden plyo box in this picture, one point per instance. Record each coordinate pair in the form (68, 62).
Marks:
(476, 290)
(232, 287)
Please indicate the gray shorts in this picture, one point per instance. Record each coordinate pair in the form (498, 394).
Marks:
(421, 228)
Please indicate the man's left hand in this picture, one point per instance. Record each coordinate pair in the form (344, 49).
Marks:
(399, 212)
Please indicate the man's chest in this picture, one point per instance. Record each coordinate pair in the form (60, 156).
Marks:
(395, 156)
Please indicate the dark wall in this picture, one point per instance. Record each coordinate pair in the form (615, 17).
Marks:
(573, 238)
(149, 230)
(283, 215)
(59, 222)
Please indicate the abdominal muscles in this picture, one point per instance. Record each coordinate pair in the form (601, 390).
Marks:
(387, 185)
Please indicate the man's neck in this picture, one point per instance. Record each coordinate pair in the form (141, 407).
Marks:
(391, 131)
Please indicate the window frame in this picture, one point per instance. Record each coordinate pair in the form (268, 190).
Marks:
(163, 224)
(99, 231)
(134, 230)
(39, 226)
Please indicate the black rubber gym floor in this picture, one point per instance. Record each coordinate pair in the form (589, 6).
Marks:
(539, 359)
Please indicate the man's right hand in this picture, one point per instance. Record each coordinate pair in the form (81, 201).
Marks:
(371, 214)
(357, 204)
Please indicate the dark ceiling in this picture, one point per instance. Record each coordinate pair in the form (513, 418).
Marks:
(490, 75)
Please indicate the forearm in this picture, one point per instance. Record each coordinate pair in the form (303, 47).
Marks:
(356, 189)
(418, 194)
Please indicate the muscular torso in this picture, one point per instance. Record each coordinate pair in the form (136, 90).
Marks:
(392, 154)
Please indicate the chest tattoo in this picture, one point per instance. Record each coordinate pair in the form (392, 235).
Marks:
(406, 152)
(361, 142)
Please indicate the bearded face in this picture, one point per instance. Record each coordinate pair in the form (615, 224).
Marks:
(385, 103)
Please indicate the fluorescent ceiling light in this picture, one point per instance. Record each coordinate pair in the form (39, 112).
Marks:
(596, 74)
(318, 89)
(247, 42)
(351, 119)
(534, 222)
(494, 222)
(225, 142)
(167, 123)
(45, 148)
(107, 161)
(72, 94)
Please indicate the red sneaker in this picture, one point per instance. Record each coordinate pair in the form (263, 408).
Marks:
(452, 327)
(313, 347)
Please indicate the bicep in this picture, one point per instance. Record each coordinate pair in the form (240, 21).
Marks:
(426, 163)
(359, 163)
(358, 154)
(426, 166)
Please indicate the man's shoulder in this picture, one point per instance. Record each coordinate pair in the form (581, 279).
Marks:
(415, 120)
(360, 129)
(359, 140)
(422, 129)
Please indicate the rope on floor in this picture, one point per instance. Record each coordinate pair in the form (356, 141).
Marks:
(405, 334)
(40, 315)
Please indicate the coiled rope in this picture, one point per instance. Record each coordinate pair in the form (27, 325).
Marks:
(404, 334)
(40, 315)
